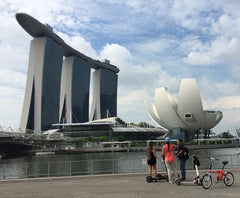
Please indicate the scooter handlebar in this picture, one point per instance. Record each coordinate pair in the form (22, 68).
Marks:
(212, 158)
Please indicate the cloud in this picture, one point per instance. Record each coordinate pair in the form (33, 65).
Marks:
(236, 72)
(150, 7)
(227, 103)
(11, 108)
(226, 26)
(223, 50)
(12, 78)
(230, 121)
(14, 44)
(80, 44)
(13, 57)
(118, 55)
(136, 82)
(211, 89)
(12, 86)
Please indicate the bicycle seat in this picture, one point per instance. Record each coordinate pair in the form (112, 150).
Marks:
(225, 162)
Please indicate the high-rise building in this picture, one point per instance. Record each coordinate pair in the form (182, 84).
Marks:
(104, 94)
(41, 101)
(58, 82)
(74, 98)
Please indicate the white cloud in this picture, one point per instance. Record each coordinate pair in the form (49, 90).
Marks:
(131, 97)
(12, 86)
(14, 44)
(223, 50)
(226, 26)
(11, 110)
(236, 72)
(80, 44)
(11, 100)
(13, 57)
(230, 120)
(136, 82)
(118, 55)
(219, 95)
(150, 7)
(12, 78)
(228, 102)
(192, 14)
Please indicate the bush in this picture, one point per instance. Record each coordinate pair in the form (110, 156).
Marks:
(211, 142)
(90, 139)
(193, 143)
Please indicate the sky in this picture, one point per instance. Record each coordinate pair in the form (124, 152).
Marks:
(154, 43)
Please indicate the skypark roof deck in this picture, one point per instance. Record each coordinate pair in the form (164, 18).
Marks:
(37, 29)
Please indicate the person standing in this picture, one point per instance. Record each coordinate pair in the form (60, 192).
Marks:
(181, 159)
(151, 159)
(167, 152)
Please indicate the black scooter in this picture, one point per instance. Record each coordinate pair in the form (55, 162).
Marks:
(197, 180)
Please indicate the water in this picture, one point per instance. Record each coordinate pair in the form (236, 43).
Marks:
(100, 163)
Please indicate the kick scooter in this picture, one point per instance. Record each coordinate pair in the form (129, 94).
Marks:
(197, 180)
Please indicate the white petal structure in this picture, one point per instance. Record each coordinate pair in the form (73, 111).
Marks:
(190, 108)
(187, 114)
(167, 108)
(153, 114)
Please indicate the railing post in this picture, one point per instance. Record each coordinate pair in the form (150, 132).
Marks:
(48, 169)
(231, 160)
(132, 165)
(70, 168)
(26, 167)
(113, 166)
(3, 167)
(91, 168)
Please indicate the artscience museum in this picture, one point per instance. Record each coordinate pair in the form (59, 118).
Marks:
(183, 118)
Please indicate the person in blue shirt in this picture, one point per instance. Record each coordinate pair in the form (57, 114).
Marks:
(181, 159)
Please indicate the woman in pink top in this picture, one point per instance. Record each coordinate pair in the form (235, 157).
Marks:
(167, 152)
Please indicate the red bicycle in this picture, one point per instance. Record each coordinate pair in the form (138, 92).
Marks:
(226, 177)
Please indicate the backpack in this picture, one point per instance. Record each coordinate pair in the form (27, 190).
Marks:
(149, 156)
(185, 153)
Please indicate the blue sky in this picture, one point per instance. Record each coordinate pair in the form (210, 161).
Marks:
(154, 43)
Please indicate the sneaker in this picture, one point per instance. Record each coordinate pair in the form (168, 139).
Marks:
(182, 179)
(170, 182)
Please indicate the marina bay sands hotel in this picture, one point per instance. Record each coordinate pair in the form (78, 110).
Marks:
(58, 82)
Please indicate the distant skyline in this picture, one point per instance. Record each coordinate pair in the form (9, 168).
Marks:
(154, 44)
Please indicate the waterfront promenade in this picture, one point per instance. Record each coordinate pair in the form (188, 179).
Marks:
(114, 186)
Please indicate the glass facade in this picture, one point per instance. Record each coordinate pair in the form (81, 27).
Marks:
(30, 121)
(80, 90)
(51, 77)
(46, 63)
(108, 93)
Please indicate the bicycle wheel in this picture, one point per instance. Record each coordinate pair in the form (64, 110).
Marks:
(228, 179)
(206, 181)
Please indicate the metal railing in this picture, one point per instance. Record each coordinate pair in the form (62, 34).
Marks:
(70, 168)
(102, 166)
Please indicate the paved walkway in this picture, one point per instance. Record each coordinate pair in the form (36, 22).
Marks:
(114, 186)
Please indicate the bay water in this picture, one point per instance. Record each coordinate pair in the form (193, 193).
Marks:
(104, 163)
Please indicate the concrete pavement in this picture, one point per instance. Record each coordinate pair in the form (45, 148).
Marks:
(114, 186)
